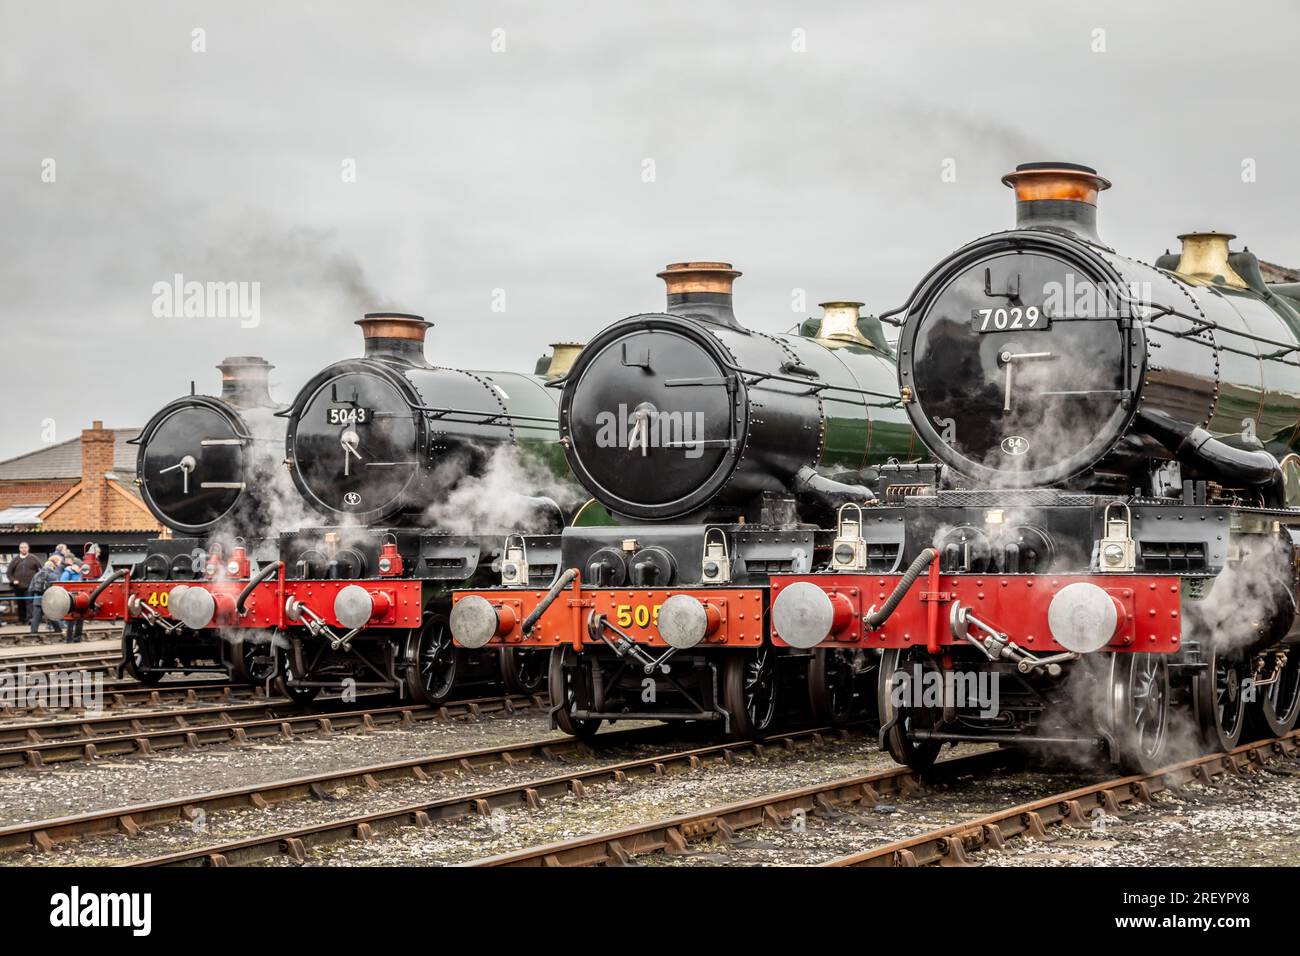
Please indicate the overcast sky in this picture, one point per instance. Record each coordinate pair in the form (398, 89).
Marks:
(804, 142)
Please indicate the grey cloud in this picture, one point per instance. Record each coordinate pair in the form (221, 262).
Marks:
(522, 170)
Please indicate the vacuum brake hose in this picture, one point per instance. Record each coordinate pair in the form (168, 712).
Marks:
(914, 571)
(562, 582)
(115, 576)
(272, 568)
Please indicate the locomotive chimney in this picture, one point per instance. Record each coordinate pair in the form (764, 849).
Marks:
(562, 356)
(245, 381)
(844, 322)
(395, 337)
(701, 290)
(1205, 259)
(1057, 196)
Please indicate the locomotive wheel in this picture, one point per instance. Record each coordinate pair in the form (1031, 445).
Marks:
(832, 681)
(142, 649)
(285, 681)
(249, 661)
(564, 690)
(433, 660)
(524, 672)
(749, 680)
(1139, 704)
(899, 719)
(1278, 704)
(1218, 701)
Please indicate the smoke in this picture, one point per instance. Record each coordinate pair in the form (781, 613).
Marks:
(1247, 601)
(300, 267)
(280, 506)
(502, 497)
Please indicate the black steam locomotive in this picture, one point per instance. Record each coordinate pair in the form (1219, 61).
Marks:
(716, 454)
(1106, 555)
(419, 469)
(210, 469)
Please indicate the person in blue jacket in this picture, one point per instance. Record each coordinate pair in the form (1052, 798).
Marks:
(74, 572)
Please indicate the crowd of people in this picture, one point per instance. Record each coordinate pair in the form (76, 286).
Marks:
(30, 577)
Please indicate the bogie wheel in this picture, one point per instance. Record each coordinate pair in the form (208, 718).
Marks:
(898, 719)
(524, 672)
(1277, 704)
(565, 689)
(432, 660)
(749, 681)
(251, 661)
(1219, 701)
(286, 680)
(1138, 705)
(833, 681)
(142, 650)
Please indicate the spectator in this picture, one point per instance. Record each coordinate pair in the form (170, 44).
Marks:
(71, 572)
(21, 571)
(46, 576)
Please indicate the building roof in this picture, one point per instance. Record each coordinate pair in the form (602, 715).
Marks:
(64, 459)
(21, 516)
(1276, 273)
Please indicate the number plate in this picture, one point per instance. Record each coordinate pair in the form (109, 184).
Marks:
(1009, 319)
(349, 416)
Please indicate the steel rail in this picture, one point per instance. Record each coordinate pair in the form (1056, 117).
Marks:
(91, 660)
(44, 835)
(530, 793)
(673, 834)
(951, 846)
(216, 725)
(131, 694)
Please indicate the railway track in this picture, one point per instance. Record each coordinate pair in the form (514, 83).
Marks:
(123, 695)
(37, 744)
(675, 834)
(949, 845)
(295, 843)
(44, 835)
(954, 845)
(88, 660)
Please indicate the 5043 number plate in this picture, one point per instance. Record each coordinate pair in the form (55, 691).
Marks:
(349, 416)
(1009, 319)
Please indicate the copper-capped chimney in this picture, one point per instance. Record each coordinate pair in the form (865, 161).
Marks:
(1057, 196)
(245, 381)
(701, 290)
(395, 337)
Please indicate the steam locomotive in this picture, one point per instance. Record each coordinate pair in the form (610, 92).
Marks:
(716, 455)
(416, 467)
(1104, 556)
(383, 438)
(209, 468)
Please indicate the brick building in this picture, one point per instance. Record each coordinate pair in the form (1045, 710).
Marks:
(73, 492)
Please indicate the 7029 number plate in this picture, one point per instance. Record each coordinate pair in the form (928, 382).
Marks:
(1009, 319)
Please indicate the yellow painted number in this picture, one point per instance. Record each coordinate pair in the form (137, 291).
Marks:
(641, 615)
(158, 599)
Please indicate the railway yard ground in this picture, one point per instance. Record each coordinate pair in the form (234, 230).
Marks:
(196, 772)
